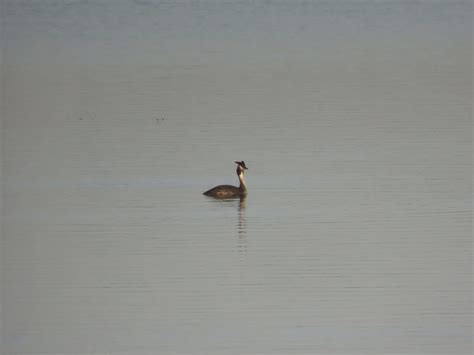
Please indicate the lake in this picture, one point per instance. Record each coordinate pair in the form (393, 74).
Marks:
(354, 119)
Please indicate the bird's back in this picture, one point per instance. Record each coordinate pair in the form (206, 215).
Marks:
(224, 191)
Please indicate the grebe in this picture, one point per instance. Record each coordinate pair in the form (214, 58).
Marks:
(229, 191)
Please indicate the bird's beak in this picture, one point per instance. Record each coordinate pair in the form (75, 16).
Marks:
(242, 166)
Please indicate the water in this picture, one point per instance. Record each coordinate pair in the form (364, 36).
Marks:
(354, 119)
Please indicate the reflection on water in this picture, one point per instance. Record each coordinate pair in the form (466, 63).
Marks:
(239, 204)
(241, 226)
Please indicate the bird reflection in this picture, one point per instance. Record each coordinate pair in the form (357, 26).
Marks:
(239, 204)
(241, 227)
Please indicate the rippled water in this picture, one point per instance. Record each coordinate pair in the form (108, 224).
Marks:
(354, 119)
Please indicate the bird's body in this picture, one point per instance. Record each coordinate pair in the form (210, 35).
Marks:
(224, 191)
(229, 191)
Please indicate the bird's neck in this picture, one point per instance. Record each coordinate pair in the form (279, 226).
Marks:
(242, 185)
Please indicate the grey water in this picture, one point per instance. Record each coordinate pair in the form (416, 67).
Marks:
(353, 118)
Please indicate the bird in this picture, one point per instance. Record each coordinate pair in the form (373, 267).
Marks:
(229, 191)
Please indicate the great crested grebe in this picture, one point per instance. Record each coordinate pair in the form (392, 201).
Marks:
(229, 191)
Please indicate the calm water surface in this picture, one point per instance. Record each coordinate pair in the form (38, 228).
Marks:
(354, 119)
